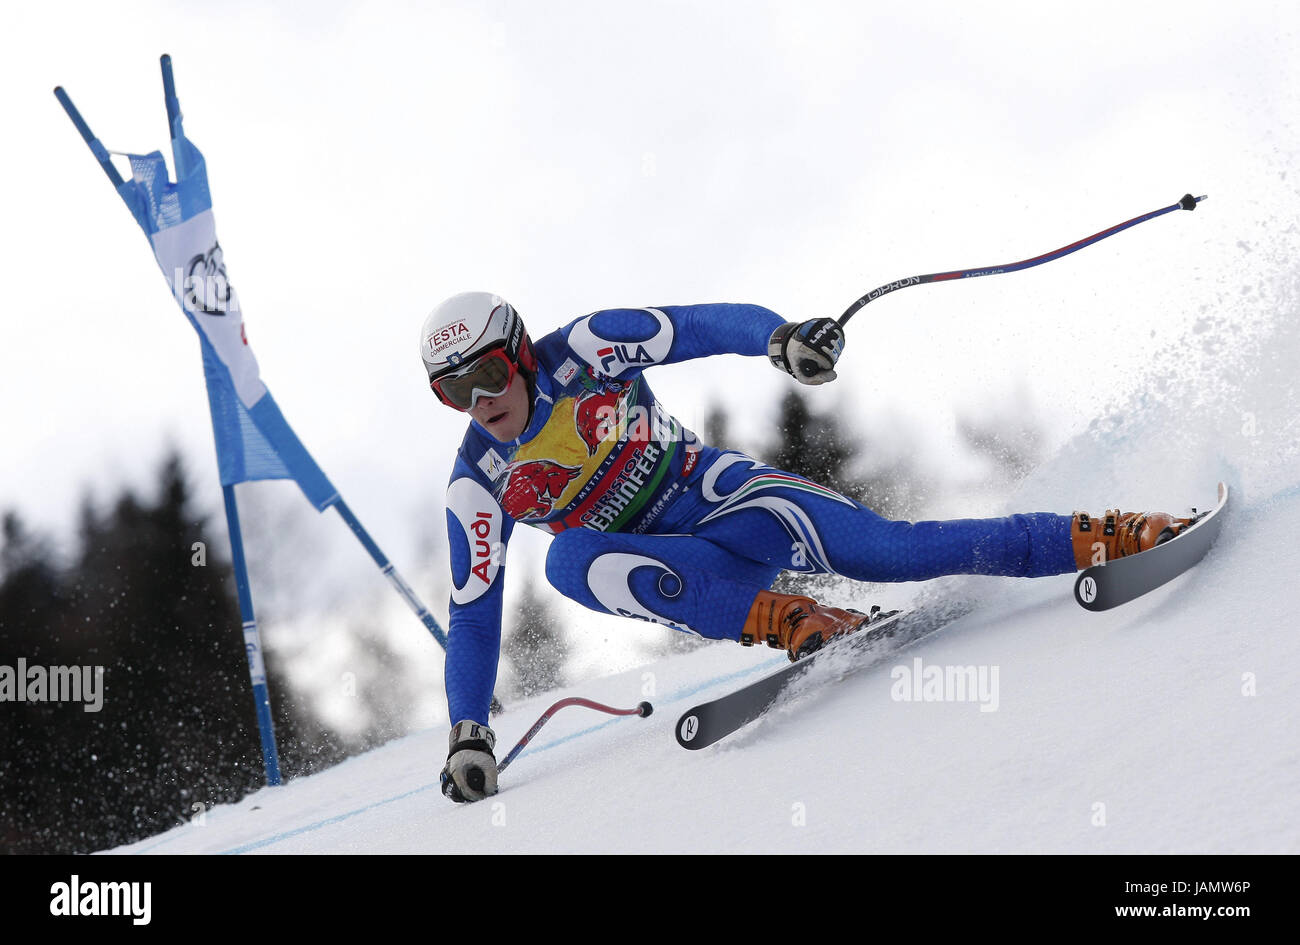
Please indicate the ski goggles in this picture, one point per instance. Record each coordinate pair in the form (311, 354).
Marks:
(489, 375)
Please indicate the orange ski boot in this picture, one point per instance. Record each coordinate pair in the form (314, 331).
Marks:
(798, 625)
(1119, 534)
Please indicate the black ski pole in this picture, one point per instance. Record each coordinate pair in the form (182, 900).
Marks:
(1188, 202)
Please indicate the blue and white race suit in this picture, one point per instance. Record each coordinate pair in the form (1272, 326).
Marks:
(650, 523)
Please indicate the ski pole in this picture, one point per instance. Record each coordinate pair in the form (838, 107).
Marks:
(1188, 202)
(643, 710)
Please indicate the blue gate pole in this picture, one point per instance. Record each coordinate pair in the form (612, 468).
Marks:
(252, 641)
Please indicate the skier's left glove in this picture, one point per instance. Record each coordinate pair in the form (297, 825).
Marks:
(471, 770)
(807, 351)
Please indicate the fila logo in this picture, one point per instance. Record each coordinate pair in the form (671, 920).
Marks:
(623, 355)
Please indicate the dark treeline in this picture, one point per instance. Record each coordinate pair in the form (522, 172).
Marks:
(176, 732)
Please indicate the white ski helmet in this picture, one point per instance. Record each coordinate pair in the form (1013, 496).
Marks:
(472, 344)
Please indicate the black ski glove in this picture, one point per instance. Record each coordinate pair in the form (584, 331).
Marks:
(807, 351)
(471, 770)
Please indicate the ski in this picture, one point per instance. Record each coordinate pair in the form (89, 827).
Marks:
(1108, 585)
(707, 723)
(1100, 587)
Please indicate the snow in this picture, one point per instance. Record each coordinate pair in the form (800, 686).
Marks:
(1167, 725)
(1140, 709)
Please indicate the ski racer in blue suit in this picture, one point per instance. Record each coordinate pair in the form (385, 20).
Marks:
(653, 524)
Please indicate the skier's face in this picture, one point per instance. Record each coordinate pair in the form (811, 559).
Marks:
(505, 416)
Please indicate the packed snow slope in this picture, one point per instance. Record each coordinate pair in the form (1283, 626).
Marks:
(1167, 725)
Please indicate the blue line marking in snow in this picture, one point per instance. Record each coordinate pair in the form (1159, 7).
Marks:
(276, 838)
(728, 677)
(677, 696)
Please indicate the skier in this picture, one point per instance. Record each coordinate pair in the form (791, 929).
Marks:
(653, 524)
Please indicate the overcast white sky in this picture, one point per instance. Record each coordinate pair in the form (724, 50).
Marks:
(369, 159)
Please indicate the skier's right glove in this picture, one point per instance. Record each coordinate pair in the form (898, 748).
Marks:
(471, 770)
(807, 351)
